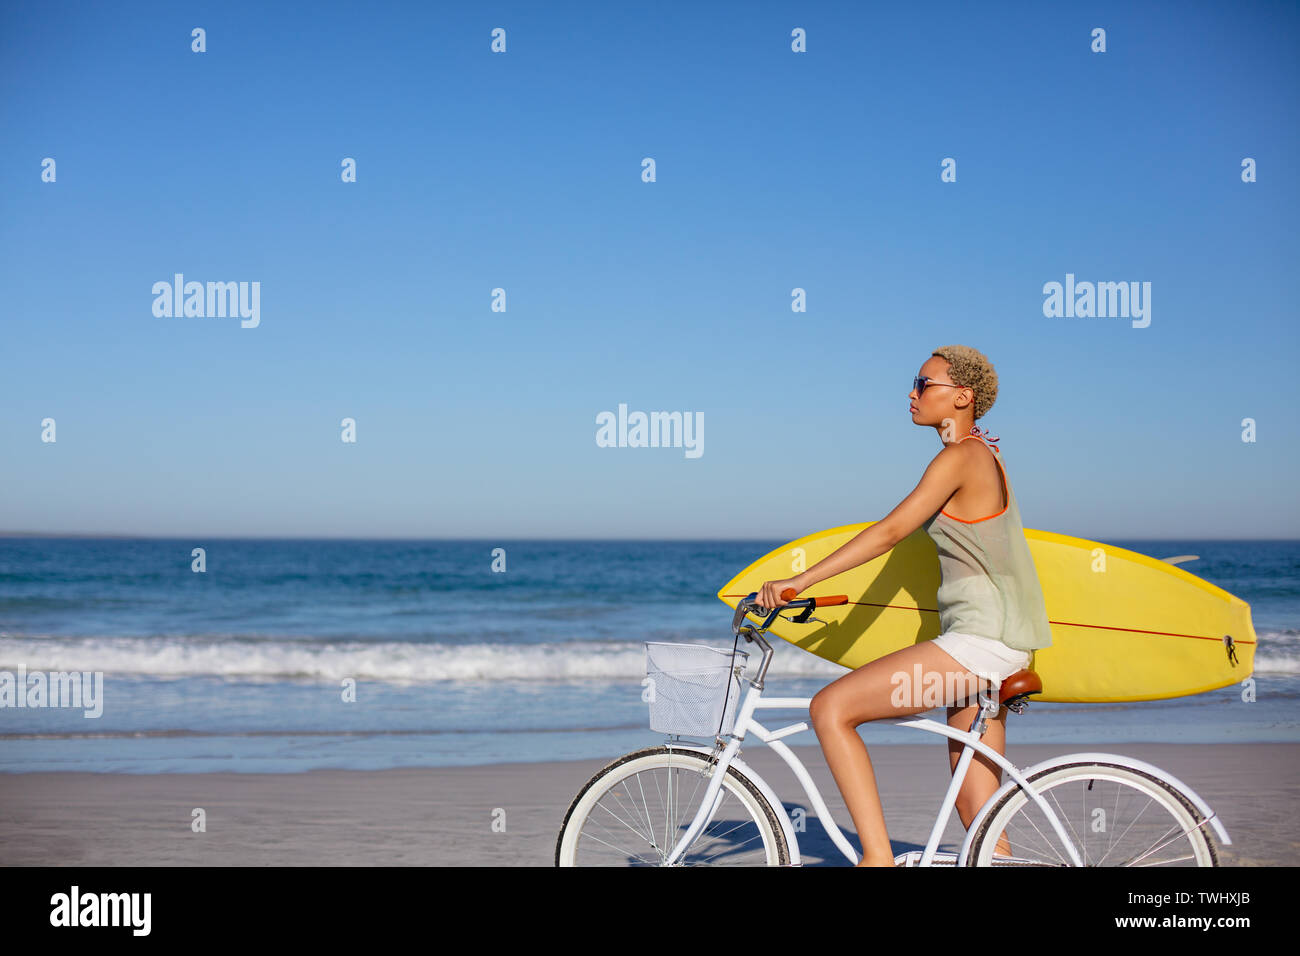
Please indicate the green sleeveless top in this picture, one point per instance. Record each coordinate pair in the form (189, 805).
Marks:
(989, 583)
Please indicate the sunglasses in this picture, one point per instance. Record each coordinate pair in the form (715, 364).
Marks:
(920, 382)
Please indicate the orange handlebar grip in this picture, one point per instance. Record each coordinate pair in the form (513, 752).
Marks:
(789, 594)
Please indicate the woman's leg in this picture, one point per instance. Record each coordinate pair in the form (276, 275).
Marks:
(886, 687)
(983, 776)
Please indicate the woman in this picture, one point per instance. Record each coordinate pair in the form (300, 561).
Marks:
(991, 613)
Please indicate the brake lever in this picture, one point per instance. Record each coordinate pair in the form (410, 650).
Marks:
(804, 617)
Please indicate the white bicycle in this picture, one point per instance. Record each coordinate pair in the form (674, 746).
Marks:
(691, 804)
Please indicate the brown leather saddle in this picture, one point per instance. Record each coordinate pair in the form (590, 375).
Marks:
(1015, 690)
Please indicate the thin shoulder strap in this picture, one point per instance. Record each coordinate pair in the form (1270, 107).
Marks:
(975, 432)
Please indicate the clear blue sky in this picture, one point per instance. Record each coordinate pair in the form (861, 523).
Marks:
(522, 170)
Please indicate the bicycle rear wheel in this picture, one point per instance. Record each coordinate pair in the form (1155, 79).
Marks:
(1113, 815)
(633, 812)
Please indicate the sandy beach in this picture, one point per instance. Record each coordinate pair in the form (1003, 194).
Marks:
(445, 816)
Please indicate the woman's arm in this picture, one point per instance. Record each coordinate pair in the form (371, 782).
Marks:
(942, 477)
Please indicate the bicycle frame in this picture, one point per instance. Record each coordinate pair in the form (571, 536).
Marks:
(971, 739)
(745, 724)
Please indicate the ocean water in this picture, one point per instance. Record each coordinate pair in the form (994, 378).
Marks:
(248, 666)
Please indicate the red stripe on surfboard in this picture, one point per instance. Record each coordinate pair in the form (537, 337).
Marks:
(1100, 627)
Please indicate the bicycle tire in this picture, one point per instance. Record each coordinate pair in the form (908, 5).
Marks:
(651, 759)
(994, 825)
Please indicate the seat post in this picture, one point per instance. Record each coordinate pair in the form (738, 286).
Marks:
(989, 706)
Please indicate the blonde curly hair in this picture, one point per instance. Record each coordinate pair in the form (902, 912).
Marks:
(971, 369)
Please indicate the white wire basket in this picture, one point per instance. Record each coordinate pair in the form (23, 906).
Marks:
(693, 688)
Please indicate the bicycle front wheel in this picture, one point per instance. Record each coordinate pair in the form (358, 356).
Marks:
(1113, 816)
(633, 812)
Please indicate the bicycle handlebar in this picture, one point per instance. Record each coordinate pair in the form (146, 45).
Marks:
(755, 634)
(807, 604)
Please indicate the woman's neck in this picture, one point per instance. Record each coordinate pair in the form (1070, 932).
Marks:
(959, 431)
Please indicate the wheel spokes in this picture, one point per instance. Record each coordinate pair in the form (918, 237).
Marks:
(1133, 833)
(635, 807)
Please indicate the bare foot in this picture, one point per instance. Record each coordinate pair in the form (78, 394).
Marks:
(887, 861)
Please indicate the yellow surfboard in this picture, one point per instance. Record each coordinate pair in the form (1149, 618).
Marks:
(1125, 626)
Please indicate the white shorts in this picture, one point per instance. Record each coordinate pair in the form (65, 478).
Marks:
(983, 656)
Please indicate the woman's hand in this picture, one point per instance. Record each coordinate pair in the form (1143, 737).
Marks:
(769, 595)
